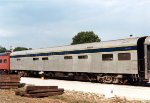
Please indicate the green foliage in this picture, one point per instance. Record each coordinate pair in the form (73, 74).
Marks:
(2, 49)
(20, 49)
(85, 37)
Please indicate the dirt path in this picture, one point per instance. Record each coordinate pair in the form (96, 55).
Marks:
(8, 96)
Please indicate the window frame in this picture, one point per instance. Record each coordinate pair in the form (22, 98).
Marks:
(68, 57)
(36, 59)
(18, 59)
(111, 58)
(83, 57)
(5, 61)
(123, 58)
(45, 58)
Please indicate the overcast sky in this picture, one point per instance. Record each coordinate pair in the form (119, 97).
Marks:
(46, 23)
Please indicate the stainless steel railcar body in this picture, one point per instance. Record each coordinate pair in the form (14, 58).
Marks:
(122, 56)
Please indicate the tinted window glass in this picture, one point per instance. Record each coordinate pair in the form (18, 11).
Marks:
(107, 57)
(18, 59)
(45, 58)
(124, 56)
(83, 57)
(67, 57)
(5, 60)
(0, 60)
(34, 59)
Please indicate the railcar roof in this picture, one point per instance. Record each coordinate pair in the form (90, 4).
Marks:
(3, 54)
(102, 44)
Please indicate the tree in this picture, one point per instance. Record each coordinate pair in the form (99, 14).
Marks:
(20, 49)
(2, 49)
(85, 37)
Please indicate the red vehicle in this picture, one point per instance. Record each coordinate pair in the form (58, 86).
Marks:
(4, 62)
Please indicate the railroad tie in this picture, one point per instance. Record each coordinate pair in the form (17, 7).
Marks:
(8, 81)
(40, 91)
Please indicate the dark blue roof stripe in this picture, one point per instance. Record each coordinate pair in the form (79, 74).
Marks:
(127, 48)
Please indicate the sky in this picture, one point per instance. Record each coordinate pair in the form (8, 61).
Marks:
(49, 23)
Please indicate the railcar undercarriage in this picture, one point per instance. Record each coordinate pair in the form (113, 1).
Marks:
(92, 77)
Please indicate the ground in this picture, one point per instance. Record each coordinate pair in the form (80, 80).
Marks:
(8, 96)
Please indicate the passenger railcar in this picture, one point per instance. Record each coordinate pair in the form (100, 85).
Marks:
(117, 61)
(4, 62)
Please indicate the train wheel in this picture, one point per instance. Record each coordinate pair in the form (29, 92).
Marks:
(108, 79)
(100, 79)
(116, 80)
(125, 82)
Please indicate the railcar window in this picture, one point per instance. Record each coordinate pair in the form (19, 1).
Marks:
(45, 58)
(5, 60)
(0, 60)
(18, 59)
(34, 59)
(124, 56)
(83, 57)
(107, 57)
(67, 57)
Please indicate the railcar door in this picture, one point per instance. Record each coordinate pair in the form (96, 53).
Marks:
(148, 60)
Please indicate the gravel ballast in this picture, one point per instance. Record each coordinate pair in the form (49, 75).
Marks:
(108, 90)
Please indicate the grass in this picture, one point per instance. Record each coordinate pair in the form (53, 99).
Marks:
(79, 97)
